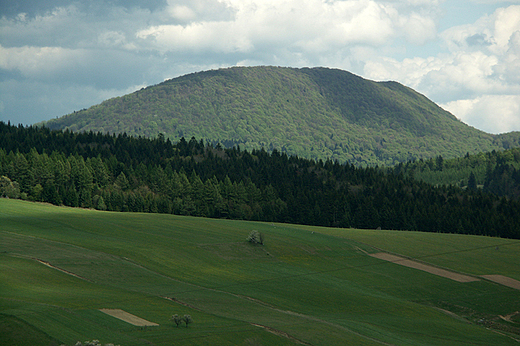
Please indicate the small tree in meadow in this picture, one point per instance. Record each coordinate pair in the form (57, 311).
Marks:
(187, 319)
(177, 319)
(255, 237)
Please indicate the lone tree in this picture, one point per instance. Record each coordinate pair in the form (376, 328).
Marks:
(255, 237)
(177, 319)
(187, 319)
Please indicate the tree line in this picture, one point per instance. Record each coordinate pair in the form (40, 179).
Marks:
(496, 172)
(135, 174)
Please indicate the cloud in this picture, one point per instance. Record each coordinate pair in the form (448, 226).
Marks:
(38, 62)
(308, 26)
(481, 64)
(67, 40)
(445, 77)
(84, 50)
(495, 113)
(490, 33)
(501, 2)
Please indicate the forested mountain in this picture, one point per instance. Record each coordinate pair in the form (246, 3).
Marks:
(124, 173)
(313, 113)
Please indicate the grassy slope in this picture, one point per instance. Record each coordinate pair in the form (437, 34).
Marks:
(313, 283)
(313, 113)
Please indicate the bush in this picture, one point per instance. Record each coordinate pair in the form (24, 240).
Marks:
(255, 237)
(177, 319)
(187, 319)
(9, 188)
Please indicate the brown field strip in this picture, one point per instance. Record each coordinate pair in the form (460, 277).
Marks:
(503, 280)
(424, 267)
(127, 317)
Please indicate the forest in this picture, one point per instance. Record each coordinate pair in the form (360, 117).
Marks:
(496, 172)
(314, 113)
(136, 174)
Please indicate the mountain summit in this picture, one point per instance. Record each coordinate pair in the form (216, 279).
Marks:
(311, 112)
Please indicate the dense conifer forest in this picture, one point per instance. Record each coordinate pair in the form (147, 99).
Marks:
(135, 174)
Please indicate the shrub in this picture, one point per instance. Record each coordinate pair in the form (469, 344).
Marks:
(176, 319)
(187, 319)
(255, 237)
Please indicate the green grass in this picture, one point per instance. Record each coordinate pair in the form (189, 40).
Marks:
(306, 284)
(470, 254)
(15, 331)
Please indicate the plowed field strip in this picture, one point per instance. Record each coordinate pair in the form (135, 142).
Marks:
(503, 280)
(127, 317)
(424, 267)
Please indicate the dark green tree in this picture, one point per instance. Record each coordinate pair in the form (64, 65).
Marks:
(187, 320)
(177, 319)
(472, 182)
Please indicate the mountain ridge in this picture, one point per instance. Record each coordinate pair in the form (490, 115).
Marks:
(317, 113)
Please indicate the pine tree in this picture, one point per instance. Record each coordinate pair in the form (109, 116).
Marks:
(472, 182)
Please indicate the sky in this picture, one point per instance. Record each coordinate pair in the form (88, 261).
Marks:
(60, 56)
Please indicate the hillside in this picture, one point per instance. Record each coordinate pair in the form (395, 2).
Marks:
(61, 267)
(123, 173)
(313, 113)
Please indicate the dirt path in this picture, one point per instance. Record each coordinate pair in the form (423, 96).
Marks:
(503, 280)
(424, 267)
(60, 269)
(282, 334)
(127, 317)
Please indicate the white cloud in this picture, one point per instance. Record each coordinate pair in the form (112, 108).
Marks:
(490, 33)
(495, 1)
(189, 11)
(418, 29)
(309, 26)
(308, 31)
(38, 61)
(182, 12)
(482, 65)
(218, 37)
(492, 113)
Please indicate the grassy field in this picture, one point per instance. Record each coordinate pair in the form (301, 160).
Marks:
(306, 285)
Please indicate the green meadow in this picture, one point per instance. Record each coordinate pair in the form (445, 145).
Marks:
(304, 286)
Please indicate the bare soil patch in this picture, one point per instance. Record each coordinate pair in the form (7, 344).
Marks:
(128, 317)
(424, 267)
(503, 280)
(509, 317)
